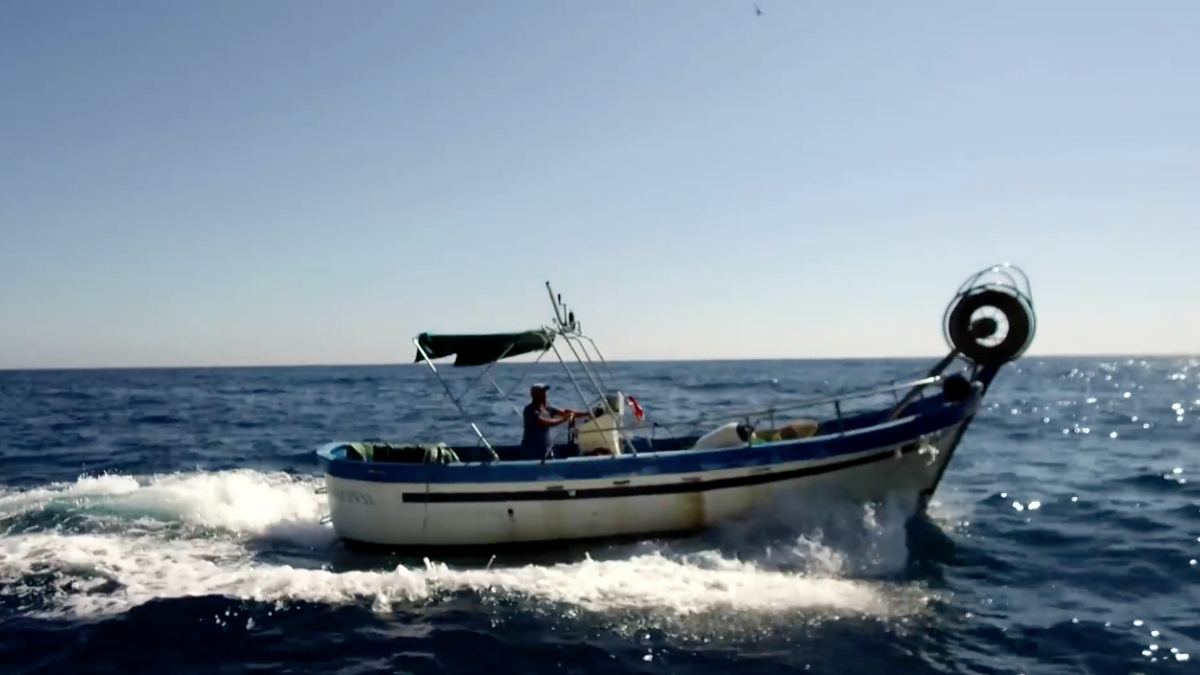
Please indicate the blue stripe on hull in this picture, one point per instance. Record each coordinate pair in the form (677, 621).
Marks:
(546, 495)
(927, 417)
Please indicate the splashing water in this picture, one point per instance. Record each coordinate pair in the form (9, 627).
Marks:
(194, 534)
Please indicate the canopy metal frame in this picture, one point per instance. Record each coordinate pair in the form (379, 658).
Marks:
(566, 328)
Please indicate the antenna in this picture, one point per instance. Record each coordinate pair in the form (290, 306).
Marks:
(557, 310)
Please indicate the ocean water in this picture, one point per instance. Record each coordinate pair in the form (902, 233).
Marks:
(170, 521)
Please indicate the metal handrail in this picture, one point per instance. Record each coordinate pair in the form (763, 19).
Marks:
(809, 403)
(836, 400)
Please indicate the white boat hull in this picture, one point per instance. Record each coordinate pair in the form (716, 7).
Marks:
(379, 513)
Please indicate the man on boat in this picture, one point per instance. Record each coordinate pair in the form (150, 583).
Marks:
(539, 417)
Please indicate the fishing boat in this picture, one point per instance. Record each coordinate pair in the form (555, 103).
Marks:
(619, 475)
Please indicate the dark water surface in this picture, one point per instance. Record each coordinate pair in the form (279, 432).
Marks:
(170, 521)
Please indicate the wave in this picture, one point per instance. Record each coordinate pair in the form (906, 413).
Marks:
(102, 545)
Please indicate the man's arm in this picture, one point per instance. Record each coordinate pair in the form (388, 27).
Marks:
(568, 411)
(557, 418)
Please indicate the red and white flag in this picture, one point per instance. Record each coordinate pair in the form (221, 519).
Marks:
(638, 414)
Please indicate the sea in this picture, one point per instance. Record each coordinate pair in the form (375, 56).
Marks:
(174, 521)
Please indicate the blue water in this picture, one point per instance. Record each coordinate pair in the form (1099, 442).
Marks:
(171, 521)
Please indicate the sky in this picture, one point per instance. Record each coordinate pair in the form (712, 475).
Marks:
(301, 182)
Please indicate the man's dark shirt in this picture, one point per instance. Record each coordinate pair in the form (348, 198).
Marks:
(536, 441)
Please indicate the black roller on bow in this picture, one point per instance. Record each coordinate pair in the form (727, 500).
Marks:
(990, 324)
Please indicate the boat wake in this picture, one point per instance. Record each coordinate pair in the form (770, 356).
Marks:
(104, 545)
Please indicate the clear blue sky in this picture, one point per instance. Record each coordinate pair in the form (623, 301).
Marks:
(284, 181)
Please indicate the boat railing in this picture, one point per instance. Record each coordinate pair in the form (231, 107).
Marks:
(776, 413)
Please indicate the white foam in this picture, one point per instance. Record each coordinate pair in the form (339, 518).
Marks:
(825, 535)
(241, 501)
(99, 573)
(145, 568)
(13, 501)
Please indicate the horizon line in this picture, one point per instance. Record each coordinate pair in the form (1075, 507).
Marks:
(449, 364)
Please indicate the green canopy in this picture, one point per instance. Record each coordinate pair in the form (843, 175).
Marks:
(479, 350)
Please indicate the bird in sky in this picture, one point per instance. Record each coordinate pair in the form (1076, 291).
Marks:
(757, 11)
